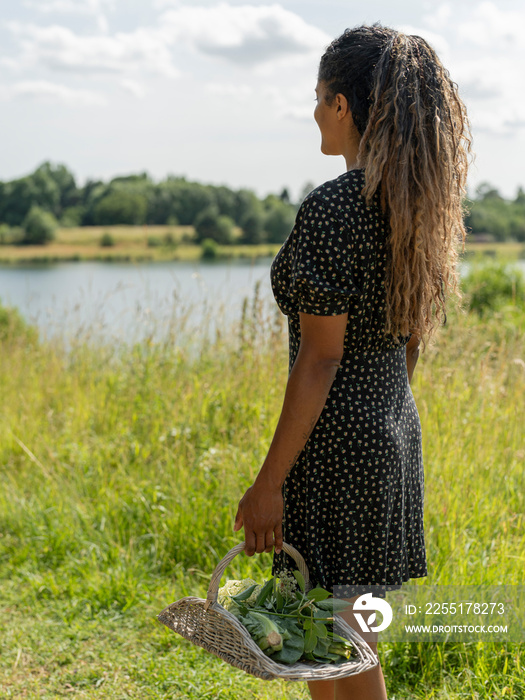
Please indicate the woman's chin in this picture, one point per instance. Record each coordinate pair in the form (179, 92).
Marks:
(327, 151)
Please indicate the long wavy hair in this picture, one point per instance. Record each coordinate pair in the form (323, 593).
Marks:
(415, 141)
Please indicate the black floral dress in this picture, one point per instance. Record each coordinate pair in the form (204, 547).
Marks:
(354, 499)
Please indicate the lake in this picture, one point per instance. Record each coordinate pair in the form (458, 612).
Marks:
(128, 302)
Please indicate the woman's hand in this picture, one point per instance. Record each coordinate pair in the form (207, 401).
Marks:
(260, 511)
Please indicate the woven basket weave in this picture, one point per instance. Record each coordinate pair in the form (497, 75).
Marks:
(207, 624)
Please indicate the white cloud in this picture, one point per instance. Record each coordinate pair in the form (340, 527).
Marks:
(244, 34)
(10, 63)
(493, 28)
(440, 18)
(299, 113)
(58, 48)
(51, 92)
(95, 8)
(133, 87)
(499, 121)
(482, 78)
(230, 90)
(73, 6)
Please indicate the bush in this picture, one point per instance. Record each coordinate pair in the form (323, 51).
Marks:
(10, 235)
(14, 327)
(107, 240)
(39, 227)
(169, 240)
(72, 217)
(210, 224)
(188, 238)
(210, 250)
(154, 242)
(489, 286)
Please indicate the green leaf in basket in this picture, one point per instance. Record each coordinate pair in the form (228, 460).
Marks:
(310, 640)
(321, 649)
(300, 580)
(279, 600)
(318, 594)
(264, 592)
(333, 605)
(291, 607)
(321, 630)
(244, 595)
(293, 642)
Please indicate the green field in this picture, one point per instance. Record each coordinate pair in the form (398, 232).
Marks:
(163, 243)
(130, 244)
(121, 474)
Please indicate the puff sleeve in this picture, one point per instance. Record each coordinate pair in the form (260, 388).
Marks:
(320, 279)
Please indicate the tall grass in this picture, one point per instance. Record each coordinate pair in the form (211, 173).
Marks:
(122, 469)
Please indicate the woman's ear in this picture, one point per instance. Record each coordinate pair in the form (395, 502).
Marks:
(341, 106)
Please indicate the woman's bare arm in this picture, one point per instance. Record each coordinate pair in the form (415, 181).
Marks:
(412, 353)
(321, 349)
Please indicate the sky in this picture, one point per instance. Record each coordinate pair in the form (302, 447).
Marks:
(223, 92)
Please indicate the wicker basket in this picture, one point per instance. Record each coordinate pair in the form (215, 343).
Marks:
(207, 624)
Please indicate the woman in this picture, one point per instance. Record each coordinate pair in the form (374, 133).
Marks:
(363, 277)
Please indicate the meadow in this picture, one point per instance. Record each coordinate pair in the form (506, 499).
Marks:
(128, 244)
(163, 243)
(122, 469)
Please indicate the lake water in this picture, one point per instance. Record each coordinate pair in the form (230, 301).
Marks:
(128, 302)
(125, 301)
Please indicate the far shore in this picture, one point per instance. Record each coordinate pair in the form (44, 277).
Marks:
(138, 244)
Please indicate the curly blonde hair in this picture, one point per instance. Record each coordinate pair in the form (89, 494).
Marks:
(415, 141)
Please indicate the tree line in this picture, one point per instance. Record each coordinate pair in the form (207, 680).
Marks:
(498, 218)
(32, 207)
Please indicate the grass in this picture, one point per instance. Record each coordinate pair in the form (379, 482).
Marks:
(508, 251)
(122, 469)
(131, 245)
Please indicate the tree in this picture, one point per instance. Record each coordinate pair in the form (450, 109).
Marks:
(279, 219)
(210, 224)
(39, 227)
(253, 229)
(68, 193)
(246, 204)
(485, 191)
(285, 196)
(121, 207)
(520, 197)
(306, 189)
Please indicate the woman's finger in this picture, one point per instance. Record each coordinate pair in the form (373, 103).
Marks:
(269, 541)
(238, 521)
(249, 543)
(261, 543)
(278, 537)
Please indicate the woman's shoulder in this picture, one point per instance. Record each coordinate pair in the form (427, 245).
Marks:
(342, 199)
(340, 192)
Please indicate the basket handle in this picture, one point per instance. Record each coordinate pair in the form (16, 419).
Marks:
(213, 588)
